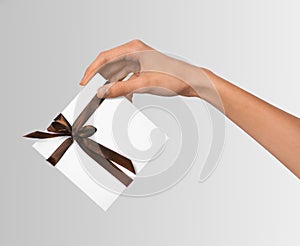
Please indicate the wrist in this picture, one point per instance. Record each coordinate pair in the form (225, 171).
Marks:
(210, 88)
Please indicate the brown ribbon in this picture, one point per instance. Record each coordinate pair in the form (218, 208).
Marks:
(79, 133)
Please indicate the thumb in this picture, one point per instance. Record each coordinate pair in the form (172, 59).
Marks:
(122, 88)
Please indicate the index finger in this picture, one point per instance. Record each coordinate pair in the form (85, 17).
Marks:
(109, 55)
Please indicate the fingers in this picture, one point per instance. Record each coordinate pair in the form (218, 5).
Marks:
(138, 84)
(155, 83)
(109, 55)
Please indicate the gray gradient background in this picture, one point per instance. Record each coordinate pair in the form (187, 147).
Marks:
(45, 45)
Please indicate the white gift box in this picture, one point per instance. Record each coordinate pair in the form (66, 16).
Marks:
(100, 185)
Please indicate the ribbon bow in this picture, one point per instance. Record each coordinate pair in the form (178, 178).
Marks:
(79, 133)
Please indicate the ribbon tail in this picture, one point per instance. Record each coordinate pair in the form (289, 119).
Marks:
(60, 151)
(41, 135)
(112, 155)
(91, 148)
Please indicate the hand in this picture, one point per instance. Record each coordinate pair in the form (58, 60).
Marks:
(153, 72)
(156, 73)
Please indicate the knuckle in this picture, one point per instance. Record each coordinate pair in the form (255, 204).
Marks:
(102, 53)
(136, 43)
(102, 56)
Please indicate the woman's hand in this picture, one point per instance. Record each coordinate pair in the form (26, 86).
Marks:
(153, 72)
(156, 73)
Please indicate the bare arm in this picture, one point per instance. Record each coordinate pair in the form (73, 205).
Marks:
(156, 73)
(274, 129)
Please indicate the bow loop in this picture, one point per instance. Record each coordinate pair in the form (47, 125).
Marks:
(62, 120)
(57, 127)
(60, 125)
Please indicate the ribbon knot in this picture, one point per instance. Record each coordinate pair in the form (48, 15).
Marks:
(86, 131)
(102, 155)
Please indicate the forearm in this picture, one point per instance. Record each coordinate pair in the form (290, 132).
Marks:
(274, 129)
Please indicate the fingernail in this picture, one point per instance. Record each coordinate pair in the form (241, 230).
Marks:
(103, 92)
